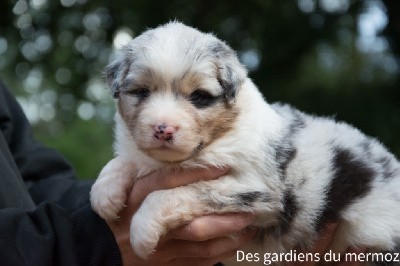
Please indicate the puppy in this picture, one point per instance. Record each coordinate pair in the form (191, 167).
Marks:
(185, 101)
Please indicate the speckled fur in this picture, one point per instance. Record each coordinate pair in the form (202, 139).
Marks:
(296, 171)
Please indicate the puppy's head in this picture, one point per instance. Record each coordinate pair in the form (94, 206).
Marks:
(176, 90)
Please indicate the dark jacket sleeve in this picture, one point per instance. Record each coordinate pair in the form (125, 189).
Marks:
(49, 235)
(50, 176)
(62, 229)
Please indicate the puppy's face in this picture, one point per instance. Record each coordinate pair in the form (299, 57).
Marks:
(176, 90)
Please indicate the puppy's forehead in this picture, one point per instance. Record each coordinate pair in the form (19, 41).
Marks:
(172, 54)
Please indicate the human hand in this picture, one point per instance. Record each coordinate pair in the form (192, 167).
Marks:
(203, 241)
(321, 247)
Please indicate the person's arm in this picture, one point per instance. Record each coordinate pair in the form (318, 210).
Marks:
(65, 232)
(321, 247)
(49, 176)
(49, 235)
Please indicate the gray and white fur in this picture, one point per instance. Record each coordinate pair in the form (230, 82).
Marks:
(185, 101)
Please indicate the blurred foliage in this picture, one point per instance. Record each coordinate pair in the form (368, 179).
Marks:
(326, 57)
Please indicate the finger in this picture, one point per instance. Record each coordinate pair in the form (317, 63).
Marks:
(214, 248)
(324, 239)
(352, 250)
(213, 226)
(321, 245)
(219, 246)
(165, 180)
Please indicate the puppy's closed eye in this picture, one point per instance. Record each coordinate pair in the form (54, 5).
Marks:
(140, 93)
(201, 98)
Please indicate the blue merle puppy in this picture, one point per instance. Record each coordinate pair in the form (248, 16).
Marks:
(184, 101)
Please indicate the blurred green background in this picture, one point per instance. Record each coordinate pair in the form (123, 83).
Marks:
(328, 57)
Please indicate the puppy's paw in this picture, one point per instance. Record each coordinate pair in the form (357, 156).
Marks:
(148, 225)
(109, 193)
(144, 236)
(107, 200)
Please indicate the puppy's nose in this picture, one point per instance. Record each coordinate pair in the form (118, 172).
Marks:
(164, 132)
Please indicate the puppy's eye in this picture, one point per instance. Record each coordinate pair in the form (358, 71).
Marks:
(141, 93)
(201, 98)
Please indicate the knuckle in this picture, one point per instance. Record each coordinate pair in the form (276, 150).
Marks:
(196, 230)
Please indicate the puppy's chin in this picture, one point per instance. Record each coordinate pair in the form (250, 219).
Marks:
(176, 150)
(172, 154)
(168, 155)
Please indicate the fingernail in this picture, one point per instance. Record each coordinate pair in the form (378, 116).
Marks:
(218, 170)
(222, 169)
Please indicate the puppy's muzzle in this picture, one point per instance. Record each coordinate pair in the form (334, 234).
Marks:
(164, 132)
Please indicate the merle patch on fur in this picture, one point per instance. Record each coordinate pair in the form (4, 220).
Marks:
(220, 50)
(388, 169)
(290, 209)
(230, 73)
(366, 146)
(352, 180)
(284, 157)
(228, 85)
(296, 124)
(248, 198)
(285, 152)
(111, 74)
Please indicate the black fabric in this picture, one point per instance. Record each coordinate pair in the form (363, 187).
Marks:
(52, 222)
(12, 129)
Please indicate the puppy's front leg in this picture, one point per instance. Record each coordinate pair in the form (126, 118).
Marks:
(109, 193)
(165, 210)
(160, 212)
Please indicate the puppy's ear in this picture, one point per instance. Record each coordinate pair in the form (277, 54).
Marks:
(114, 74)
(231, 73)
